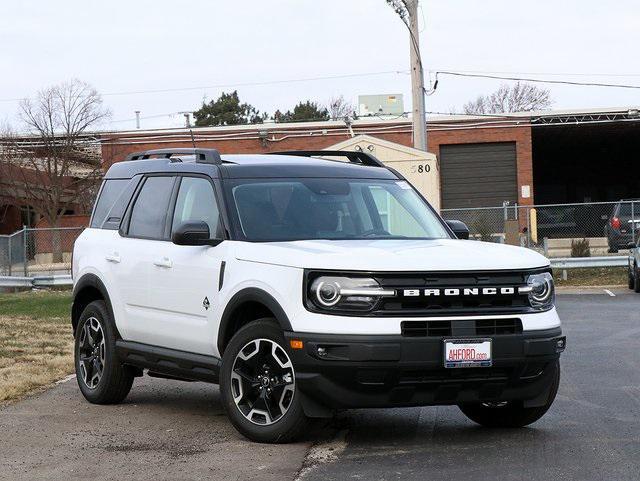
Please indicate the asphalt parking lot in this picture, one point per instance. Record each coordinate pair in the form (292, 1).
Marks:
(178, 431)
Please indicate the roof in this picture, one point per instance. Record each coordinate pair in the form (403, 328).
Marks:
(381, 148)
(252, 166)
(381, 122)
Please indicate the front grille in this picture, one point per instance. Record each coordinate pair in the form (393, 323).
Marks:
(443, 376)
(442, 305)
(496, 327)
(480, 327)
(426, 328)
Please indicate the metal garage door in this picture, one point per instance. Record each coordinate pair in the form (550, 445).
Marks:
(478, 175)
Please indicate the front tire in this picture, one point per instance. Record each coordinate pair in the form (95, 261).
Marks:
(257, 385)
(510, 414)
(632, 280)
(101, 377)
(636, 279)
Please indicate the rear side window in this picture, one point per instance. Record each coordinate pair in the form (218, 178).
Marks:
(149, 212)
(109, 194)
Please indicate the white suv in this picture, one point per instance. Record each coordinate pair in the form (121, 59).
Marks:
(303, 285)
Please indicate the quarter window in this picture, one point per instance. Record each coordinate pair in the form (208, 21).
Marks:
(111, 191)
(196, 202)
(149, 213)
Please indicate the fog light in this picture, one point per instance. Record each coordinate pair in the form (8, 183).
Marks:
(322, 352)
(561, 344)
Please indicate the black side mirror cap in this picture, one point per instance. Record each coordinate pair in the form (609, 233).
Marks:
(459, 228)
(194, 234)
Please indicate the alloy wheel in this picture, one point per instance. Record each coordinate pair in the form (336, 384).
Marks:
(91, 352)
(262, 381)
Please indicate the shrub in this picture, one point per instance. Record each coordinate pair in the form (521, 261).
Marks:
(481, 228)
(580, 248)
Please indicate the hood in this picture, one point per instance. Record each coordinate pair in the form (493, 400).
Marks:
(392, 255)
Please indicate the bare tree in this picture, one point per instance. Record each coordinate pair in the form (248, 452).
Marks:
(519, 97)
(51, 168)
(339, 108)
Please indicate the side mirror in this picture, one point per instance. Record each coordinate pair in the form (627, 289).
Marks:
(459, 228)
(194, 234)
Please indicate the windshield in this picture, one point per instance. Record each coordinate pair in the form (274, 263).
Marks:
(281, 210)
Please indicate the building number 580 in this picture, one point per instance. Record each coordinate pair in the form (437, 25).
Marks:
(420, 169)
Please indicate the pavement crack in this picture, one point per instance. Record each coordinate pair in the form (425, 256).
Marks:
(322, 453)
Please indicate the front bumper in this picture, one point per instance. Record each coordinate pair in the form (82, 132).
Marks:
(358, 371)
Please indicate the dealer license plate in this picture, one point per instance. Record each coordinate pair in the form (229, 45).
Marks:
(467, 353)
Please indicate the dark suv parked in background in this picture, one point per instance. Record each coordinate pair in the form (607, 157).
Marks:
(622, 223)
(634, 268)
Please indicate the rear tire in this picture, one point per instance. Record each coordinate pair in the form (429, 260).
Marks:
(632, 280)
(257, 385)
(636, 279)
(101, 377)
(511, 414)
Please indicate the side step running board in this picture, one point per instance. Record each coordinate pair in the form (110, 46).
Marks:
(169, 362)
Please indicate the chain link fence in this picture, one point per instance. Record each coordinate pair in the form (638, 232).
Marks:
(38, 252)
(557, 230)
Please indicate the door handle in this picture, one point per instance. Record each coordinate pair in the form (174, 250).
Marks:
(164, 262)
(115, 258)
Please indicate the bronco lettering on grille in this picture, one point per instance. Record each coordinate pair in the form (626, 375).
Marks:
(465, 291)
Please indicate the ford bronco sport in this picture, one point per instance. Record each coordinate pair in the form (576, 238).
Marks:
(302, 284)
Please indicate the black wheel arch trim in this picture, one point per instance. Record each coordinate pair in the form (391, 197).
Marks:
(250, 294)
(90, 281)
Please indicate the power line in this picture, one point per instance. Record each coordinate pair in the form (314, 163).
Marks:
(534, 80)
(550, 74)
(244, 84)
(156, 116)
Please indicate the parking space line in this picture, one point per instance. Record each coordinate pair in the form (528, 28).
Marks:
(609, 292)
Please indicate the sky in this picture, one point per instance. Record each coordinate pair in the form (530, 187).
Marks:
(211, 46)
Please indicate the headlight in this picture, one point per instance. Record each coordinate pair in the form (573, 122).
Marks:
(346, 293)
(541, 291)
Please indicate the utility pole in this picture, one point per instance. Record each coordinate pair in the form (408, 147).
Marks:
(137, 119)
(408, 12)
(417, 79)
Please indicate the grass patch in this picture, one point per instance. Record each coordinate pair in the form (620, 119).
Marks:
(37, 304)
(36, 342)
(593, 276)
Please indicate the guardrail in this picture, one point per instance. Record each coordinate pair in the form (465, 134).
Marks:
(577, 262)
(38, 281)
(556, 263)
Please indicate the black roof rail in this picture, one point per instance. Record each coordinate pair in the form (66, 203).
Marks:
(353, 156)
(203, 156)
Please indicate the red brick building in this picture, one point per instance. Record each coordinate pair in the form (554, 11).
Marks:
(540, 157)
(505, 143)
(26, 181)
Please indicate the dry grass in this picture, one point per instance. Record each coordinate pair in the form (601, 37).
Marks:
(597, 276)
(36, 342)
